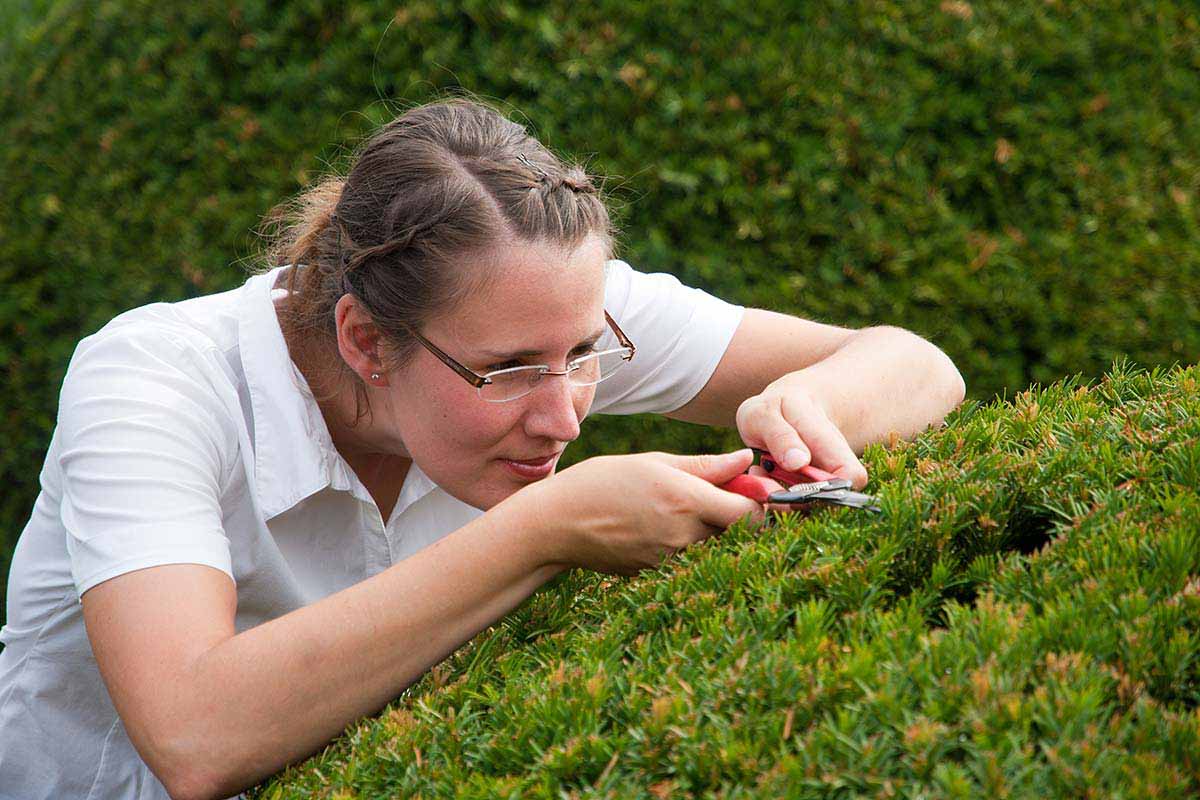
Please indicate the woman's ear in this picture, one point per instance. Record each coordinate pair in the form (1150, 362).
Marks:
(359, 340)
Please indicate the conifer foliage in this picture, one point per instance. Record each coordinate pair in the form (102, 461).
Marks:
(1022, 620)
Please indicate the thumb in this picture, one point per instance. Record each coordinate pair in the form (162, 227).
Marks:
(715, 468)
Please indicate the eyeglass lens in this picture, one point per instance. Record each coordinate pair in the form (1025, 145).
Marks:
(514, 383)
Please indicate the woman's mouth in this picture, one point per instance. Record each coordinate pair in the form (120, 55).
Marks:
(531, 469)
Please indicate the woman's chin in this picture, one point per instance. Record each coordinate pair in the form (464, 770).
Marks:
(485, 499)
(496, 487)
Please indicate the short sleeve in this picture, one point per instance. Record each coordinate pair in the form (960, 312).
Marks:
(680, 334)
(145, 445)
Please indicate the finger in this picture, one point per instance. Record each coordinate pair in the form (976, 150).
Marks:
(778, 436)
(718, 508)
(715, 468)
(831, 450)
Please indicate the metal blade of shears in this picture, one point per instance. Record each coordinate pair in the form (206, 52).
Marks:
(814, 485)
(839, 497)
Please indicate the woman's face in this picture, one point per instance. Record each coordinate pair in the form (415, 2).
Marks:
(542, 299)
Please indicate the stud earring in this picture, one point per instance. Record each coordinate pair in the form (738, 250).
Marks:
(374, 376)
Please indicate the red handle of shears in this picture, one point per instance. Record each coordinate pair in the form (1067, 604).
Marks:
(806, 474)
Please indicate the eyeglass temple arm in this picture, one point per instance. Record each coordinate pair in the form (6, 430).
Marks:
(621, 337)
(468, 375)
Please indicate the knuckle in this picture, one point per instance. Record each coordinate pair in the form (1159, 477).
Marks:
(793, 416)
(753, 406)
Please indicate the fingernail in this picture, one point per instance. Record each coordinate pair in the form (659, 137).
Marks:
(794, 458)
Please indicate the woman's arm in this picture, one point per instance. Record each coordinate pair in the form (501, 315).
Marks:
(870, 382)
(822, 393)
(213, 713)
(880, 381)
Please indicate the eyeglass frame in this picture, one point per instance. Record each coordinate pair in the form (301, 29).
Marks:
(474, 378)
(479, 381)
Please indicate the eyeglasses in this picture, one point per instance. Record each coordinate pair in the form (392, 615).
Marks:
(502, 385)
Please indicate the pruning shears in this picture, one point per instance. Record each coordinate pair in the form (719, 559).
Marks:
(810, 484)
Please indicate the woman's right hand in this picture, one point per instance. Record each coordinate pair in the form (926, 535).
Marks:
(624, 513)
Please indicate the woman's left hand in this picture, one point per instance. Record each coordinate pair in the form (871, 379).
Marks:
(787, 416)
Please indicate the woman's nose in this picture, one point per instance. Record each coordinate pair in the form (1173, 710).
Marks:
(553, 412)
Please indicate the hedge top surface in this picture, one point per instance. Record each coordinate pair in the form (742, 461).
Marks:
(1023, 619)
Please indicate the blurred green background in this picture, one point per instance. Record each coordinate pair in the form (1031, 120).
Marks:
(1017, 182)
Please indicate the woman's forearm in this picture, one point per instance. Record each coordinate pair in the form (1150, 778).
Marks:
(280, 691)
(882, 380)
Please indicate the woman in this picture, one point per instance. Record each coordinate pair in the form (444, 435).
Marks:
(267, 511)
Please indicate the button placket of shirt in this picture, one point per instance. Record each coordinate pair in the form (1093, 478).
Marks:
(378, 546)
(375, 540)
(393, 530)
(416, 487)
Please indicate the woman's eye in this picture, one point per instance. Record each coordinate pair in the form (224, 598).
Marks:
(577, 353)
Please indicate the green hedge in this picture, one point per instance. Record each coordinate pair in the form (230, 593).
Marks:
(1021, 620)
(1017, 182)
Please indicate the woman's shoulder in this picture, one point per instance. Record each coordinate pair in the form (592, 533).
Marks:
(156, 389)
(660, 297)
(184, 351)
(203, 331)
(201, 323)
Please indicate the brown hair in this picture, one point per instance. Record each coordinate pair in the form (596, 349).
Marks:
(439, 182)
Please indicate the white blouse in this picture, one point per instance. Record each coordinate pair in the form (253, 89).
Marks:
(186, 434)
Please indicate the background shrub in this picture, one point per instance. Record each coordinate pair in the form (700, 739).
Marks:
(1016, 182)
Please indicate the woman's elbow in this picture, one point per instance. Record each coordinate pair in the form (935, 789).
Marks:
(187, 769)
(189, 783)
(941, 380)
(954, 388)
(958, 388)
(943, 387)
